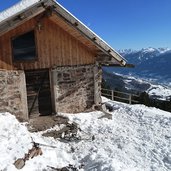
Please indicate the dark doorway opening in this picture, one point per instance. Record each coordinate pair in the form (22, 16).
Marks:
(38, 93)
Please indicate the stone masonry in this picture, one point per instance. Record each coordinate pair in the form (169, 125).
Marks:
(13, 96)
(74, 88)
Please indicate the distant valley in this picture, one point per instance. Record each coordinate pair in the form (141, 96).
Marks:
(152, 72)
(150, 63)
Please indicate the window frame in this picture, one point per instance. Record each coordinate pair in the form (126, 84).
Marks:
(36, 50)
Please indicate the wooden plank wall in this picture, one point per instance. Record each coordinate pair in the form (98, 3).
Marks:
(54, 47)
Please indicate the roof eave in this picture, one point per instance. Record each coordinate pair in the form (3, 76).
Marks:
(24, 15)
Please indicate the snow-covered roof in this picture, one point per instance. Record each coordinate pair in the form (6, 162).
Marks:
(21, 11)
(22, 5)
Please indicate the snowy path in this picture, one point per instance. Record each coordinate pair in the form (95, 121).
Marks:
(138, 138)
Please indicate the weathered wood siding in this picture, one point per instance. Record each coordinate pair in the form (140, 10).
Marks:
(55, 47)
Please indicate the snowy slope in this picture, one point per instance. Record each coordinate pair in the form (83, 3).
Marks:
(138, 138)
(160, 92)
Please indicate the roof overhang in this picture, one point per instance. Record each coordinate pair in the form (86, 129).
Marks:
(23, 15)
(107, 52)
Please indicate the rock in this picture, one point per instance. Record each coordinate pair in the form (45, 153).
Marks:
(19, 163)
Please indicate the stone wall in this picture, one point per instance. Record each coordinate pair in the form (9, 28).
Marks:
(13, 96)
(73, 88)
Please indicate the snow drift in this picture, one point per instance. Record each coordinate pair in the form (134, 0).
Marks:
(137, 138)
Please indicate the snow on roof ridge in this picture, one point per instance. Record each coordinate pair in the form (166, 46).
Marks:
(18, 7)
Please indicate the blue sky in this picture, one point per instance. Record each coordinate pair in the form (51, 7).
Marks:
(123, 24)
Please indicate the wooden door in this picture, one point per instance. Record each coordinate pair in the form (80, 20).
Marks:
(38, 93)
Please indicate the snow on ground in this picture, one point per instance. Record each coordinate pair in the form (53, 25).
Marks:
(15, 141)
(159, 91)
(138, 138)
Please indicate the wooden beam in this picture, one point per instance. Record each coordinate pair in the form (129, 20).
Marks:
(117, 65)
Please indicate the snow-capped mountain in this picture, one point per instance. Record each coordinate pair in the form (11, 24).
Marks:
(151, 51)
(150, 63)
(152, 73)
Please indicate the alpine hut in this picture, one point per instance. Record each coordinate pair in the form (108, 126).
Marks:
(50, 61)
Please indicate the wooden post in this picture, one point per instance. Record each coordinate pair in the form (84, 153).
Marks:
(112, 95)
(130, 98)
(23, 93)
(97, 81)
(54, 82)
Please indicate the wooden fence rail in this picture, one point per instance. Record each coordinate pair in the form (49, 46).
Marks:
(120, 96)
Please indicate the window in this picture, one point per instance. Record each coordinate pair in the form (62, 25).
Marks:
(24, 47)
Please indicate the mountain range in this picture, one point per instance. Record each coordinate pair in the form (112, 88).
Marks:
(152, 72)
(153, 64)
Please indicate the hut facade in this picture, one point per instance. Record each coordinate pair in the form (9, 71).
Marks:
(50, 62)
